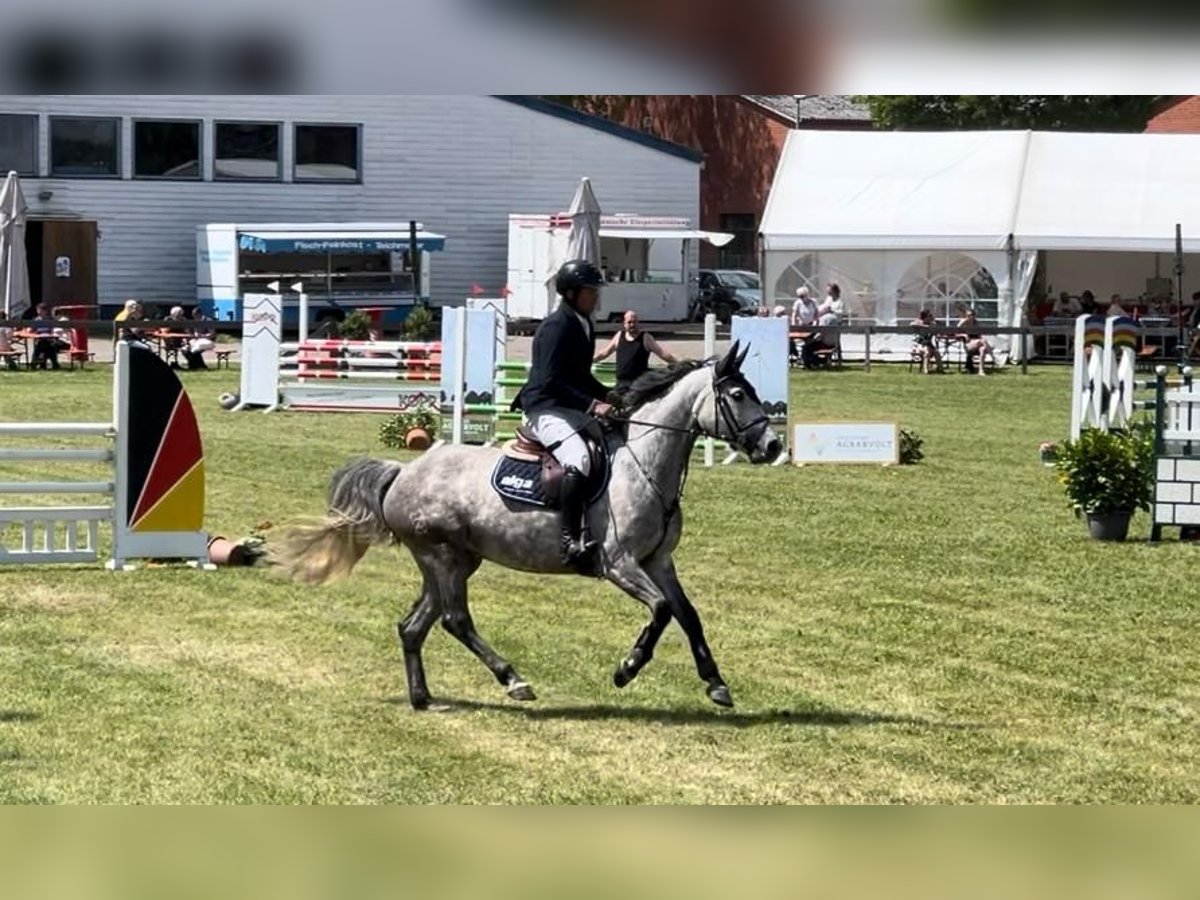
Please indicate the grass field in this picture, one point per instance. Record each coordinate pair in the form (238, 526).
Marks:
(938, 633)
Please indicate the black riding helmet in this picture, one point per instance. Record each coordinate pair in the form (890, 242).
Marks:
(575, 274)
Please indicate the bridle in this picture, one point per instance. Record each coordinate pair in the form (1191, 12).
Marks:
(723, 414)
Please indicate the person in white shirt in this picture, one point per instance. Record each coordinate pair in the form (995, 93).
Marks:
(1115, 308)
(804, 310)
(829, 314)
(1065, 306)
(833, 309)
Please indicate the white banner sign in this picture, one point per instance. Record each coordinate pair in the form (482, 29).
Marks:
(261, 327)
(845, 442)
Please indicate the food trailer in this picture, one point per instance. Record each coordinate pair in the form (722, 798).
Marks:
(648, 263)
(342, 266)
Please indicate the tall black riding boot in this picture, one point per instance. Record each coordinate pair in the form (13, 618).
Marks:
(576, 552)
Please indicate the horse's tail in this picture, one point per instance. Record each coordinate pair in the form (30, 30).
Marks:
(318, 551)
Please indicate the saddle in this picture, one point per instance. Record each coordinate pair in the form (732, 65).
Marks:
(529, 473)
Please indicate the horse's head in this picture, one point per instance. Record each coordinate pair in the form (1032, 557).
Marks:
(737, 415)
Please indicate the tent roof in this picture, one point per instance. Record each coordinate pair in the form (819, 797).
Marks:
(971, 190)
(1110, 192)
(894, 189)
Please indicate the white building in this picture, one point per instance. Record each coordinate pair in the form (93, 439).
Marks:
(117, 184)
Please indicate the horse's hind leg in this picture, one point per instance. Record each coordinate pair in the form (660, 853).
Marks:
(453, 569)
(412, 630)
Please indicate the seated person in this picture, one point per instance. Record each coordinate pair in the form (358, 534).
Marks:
(1114, 306)
(174, 343)
(1087, 304)
(829, 314)
(201, 340)
(6, 347)
(132, 312)
(977, 346)
(1065, 307)
(924, 346)
(47, 344)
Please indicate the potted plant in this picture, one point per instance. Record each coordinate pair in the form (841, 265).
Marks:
(412, 429)
(419, 324)
(355, 327)
(1108, 475)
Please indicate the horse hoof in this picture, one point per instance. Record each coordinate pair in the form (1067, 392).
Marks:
(621, 677)
(720, 695)
(520, 691)
(420, 702)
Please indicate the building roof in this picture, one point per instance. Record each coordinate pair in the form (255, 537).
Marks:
(801, 108)
(601, 124)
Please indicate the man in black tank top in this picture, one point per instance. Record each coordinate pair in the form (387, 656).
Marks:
(633, 348)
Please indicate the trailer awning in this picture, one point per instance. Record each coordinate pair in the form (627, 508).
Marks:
(349, 241)
(716, 238)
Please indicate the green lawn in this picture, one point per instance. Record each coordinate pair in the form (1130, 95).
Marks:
(938, 633)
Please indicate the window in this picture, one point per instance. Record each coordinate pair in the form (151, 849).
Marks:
(327, 153)
(947, 283)
(738, 253)
(246, 150)
(166, 150)
(18, 145)
(82, 146)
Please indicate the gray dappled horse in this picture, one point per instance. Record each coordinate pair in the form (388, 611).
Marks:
(443, 509)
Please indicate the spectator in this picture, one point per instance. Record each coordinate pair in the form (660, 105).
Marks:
(132, 312)
(633, 348)
(829, 314)
(1065, 307)
(977, 347)
(1087, 304)
(804, 310)
(174, 344)
(6, 347)
(833, 309)
(46, 344)
(1114, 306)
(924, 347)
(201, 340)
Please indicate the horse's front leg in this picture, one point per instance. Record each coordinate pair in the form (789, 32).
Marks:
(659, 588)
(663, 573)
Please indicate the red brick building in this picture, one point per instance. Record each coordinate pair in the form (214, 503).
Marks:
(741, 137)
(1179, 115)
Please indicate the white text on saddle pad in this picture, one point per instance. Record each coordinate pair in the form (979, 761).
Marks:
(515, 481)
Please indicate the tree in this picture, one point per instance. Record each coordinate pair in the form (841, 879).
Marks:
(1041, 113)
(606, 106)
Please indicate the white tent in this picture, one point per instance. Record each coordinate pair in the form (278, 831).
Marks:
(906, 220)
(1110, 192)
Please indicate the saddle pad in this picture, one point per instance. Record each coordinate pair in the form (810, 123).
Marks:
(521, 480)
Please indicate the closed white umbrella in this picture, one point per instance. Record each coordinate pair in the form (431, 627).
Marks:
(14, 272)
(584, 239)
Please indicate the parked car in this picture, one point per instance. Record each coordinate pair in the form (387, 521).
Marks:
(728, 293)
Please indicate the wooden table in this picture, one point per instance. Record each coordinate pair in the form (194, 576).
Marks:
(165, 350)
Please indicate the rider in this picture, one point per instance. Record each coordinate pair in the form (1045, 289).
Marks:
(561, 393)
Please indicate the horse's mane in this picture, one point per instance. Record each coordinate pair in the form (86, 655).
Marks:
(656, 382)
